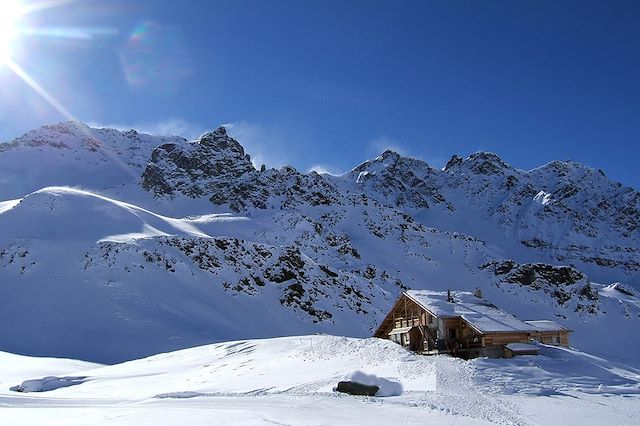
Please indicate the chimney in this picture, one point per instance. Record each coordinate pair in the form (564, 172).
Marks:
(449, 296)
(478, 292)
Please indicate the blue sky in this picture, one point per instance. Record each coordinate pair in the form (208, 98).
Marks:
(329, 84)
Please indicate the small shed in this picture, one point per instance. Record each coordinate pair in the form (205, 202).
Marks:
(515, 349)
(550, 332)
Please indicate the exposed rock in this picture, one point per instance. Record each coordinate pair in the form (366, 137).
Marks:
(353, 388)
(563, 283)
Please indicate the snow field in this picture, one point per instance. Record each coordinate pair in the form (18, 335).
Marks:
(290, 381)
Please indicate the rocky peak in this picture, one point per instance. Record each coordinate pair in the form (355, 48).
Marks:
(486, 163)
(454, 161)
(60, 135)
(387, 161)
(480, 163)
(196, 169)
(390, 155)
(397, 181)
(220, 141)
(569, 169)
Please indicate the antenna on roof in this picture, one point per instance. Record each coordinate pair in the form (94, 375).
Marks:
(449, 296)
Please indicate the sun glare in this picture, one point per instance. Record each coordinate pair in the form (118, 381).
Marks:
(10, 13)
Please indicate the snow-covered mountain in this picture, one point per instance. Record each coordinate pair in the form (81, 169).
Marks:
(115, 245)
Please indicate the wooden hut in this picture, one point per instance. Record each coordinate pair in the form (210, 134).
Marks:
(453, 322)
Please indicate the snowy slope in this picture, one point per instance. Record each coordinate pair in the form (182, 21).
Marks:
(130, 282)
(190, 244)
(74, 154)
(291, 380)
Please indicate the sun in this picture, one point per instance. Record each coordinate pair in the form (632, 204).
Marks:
(10, 13)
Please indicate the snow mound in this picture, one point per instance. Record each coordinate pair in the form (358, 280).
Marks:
(14, 368)
(621, 288)
(48, 383)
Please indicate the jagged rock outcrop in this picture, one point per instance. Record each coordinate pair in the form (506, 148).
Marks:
(401, 182)
(253, 269)
(562, 283)
(194, 169)
(216, 167)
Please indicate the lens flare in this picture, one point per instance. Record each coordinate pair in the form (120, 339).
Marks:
(157, 57)
(10, 13)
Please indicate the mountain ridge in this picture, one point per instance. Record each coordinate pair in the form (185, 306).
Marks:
(165, 244)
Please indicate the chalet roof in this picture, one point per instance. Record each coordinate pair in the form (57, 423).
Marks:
(479, 313)
(547, 325)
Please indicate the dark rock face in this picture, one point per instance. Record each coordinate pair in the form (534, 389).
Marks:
(219, 141)
(194, 169)
(563, 283)
(240, 267)
(454, 161)
(405, 182)
(217, 167)
(487, 163)
(353, 388)
(529, 273)
(153, 179)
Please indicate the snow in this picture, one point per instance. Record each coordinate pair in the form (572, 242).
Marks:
(521, 347)
(291, 380)
(47, 384)
(8, 205)
(479, 313)
(51, 212)
(546, 325)
(361, 177)
(400, 330)
(14, 368)
(621, 288)
(543, 198)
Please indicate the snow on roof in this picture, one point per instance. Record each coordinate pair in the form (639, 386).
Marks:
(478, 312)
(547, 325)
(522, 347)
(400, 330)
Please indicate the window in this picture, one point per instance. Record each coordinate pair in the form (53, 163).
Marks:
(555, 340)
(452, 333)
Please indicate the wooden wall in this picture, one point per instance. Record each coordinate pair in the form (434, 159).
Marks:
(547, 337)
(498, 339)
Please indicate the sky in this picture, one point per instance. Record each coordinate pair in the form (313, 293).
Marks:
(329, 84)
